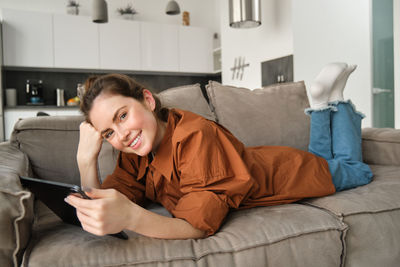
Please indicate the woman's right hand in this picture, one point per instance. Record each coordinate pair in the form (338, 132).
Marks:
(90, 141)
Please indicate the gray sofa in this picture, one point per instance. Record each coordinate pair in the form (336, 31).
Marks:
(359, 227)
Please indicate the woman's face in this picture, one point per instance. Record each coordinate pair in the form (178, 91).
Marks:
(127, 124)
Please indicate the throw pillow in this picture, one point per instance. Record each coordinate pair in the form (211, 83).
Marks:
(187, 97)
(272, 115)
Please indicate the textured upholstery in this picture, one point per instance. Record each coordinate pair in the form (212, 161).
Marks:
(372, 213)
(188, 97)
(381, 146)
(16, 205)
(266, 236)
(273, 115)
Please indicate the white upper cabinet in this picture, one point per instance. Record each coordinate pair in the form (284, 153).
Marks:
(27, 38)
(76, 42)
(160, 47)
(120, 45)
(34, 39)
(195, 49)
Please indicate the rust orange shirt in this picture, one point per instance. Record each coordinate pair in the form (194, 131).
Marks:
(201, 171)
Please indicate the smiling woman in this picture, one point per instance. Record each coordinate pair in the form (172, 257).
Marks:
(132, 120)
(196, 168)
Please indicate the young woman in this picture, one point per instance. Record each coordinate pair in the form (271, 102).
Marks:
(196, 168)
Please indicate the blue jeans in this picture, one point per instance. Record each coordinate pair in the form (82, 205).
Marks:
(335, 135)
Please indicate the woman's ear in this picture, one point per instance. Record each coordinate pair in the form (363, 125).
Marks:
(149, 99)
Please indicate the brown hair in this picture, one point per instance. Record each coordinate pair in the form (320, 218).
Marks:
(117, 84)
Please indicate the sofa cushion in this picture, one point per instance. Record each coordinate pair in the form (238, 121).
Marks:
(16, 208)
(51, 144)
(273, 115)
(188, 97)
(373, 215)
(288, 235)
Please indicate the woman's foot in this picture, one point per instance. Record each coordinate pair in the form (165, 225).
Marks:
(338, 88)
(322, 85)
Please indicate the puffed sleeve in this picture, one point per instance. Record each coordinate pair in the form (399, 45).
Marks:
(124, 178)
(213, 177)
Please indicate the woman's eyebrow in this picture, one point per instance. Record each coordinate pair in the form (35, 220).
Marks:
(113, 119)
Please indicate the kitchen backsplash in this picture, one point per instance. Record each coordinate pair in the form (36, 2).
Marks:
(69, 80)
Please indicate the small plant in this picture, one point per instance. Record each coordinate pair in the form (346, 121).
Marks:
(127, 10)
(72, 3)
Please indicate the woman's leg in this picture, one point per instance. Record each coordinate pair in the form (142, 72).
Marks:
(320, 133)
(335, 132)
(320, 112)
(347, 169)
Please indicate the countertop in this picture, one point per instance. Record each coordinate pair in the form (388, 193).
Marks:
(39, 107)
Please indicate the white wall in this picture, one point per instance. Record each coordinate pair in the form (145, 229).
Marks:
(331, 31)
(204, 13)
(273, 39)
(396, 34)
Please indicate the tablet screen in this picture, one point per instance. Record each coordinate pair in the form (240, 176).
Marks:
(52, 194)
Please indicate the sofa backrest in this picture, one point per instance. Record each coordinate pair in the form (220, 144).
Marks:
(269, 116)
(51, 142)
(188, 97)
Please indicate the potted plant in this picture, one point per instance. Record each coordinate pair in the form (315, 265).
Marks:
(72, 7)
(127, 12)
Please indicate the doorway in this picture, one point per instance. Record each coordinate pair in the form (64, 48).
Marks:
(383, 64)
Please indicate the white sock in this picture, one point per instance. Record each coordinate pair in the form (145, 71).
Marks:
(337, 90)
(322, 85)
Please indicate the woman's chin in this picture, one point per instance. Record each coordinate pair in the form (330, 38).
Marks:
(140, 152)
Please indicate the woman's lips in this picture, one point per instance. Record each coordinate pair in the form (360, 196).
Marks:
(136, 141)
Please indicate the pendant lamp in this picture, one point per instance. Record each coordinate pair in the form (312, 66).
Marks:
(99, 11)
(172, 8)
(244, 13)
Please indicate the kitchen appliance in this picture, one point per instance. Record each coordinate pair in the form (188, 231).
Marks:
(34, 92)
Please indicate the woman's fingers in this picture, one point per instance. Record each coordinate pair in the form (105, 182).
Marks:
(107, 212)
(80, 203)
(90, 224)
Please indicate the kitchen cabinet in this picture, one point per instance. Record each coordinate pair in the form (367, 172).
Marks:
(195, 49)
(76, 42)
(12, 115)
(119, 45)
(160, 47)
(27, 38)
(34, 39)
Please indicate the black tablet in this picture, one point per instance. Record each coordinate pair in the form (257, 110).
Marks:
(52, 194)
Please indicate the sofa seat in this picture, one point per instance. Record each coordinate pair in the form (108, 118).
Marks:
(314, 238)
(372, 213)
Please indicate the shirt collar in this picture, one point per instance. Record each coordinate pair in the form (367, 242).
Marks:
(163, 160)
(142, 167)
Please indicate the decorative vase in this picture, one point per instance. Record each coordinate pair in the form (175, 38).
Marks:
(186, 18)
(72, 10)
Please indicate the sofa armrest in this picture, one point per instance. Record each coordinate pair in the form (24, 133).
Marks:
(381, 146)
(16, 208)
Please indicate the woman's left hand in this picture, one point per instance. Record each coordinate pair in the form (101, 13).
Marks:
(107, 212)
